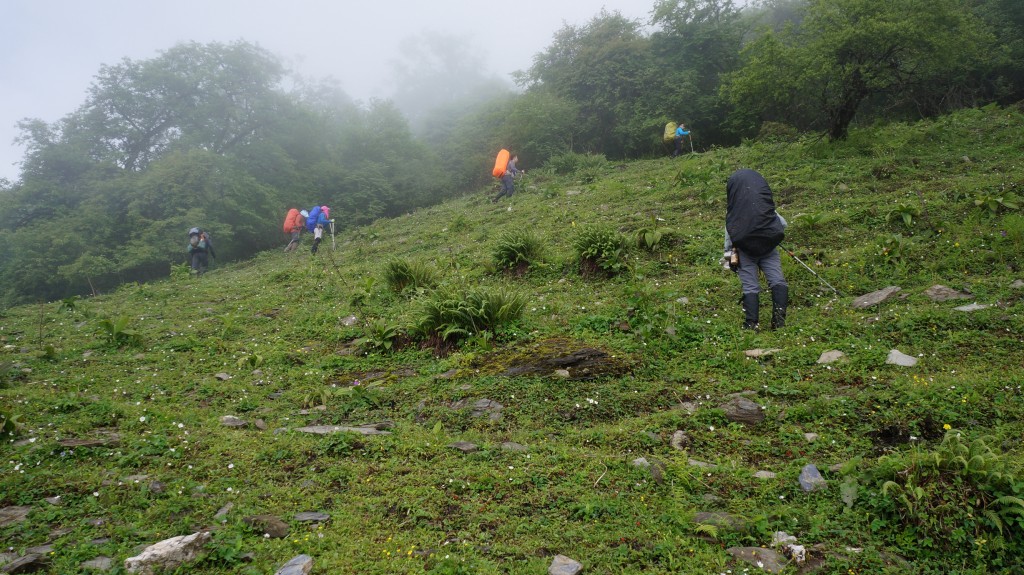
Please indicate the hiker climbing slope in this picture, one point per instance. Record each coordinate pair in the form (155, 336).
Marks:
(753, 231)
(200, 248)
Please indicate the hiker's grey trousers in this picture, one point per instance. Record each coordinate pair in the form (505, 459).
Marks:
(770, 264)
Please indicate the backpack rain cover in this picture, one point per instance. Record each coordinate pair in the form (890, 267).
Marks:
(750, 219)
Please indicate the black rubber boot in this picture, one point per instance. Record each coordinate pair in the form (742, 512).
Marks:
(751, 307)
(780, 300)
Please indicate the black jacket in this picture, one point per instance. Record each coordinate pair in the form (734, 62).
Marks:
(750, 218)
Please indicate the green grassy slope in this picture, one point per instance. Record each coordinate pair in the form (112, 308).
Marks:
(930, 455)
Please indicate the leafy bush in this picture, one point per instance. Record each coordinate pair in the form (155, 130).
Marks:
(403, 275)
(379, 336)
(517, 249)
(449, 316)
(9, 425)
(995, 202)
(117, 333)
(650, 237)
(571, 163)
(600, 248)
(960, 500)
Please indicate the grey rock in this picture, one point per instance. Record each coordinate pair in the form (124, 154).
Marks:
(562, 565)
(811, 437)
(13, 514)
(811, 479)
(26, 564)
(349, 321)
(6, 558)
(223, 376)
(261, 425)
(742, 410)
(701, 464)
(98, 564)
(55, 500)
(766, 559)
(104, 439)
(311, 516)
(513, 446)
(972, 307)
(719, 519)
(896, 357)
(168, 554)
(642, 463)
(562, 373)
(1017, 284)
(487, 407)
(232, 421)
(329, 429)
(780, 538)
(465, 446)
(764, 475)
(157, 487)
(680, 441)
(300, 565)
(831, 356)
(874, 298)
(268, 525)
(223, 511)
(688, 406)
(275, 395)
(40, 549)
(939, 293)
(683, 300)
(758, 352)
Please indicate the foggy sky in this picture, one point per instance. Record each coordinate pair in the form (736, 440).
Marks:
(50, 50)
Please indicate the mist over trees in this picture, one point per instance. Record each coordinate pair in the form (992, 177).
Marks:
(223, 136)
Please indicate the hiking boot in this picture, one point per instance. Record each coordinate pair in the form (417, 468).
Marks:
(751, 309)
(780, 300)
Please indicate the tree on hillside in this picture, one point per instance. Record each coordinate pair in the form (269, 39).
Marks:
(605, 67)
(846, 52)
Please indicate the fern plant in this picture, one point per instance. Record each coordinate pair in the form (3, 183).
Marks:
(517, 250)
(403, 276)
(379, 336)
(600, 249)
(449, 315)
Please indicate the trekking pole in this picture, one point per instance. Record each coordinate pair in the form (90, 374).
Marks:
(799, 261)
(691, 143)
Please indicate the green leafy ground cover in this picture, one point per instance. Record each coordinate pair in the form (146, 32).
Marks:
(928, 475)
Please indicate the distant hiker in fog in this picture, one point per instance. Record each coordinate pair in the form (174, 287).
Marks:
(507, 184)
(681, 133)
(318, 236)
(200, 248)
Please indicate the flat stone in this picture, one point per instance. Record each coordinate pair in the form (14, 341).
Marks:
(268, 525)
(688, 406)
(40, 549)
(329, 429)
(765, 559)
(758, 352)
(642, 463)
(168, 554)
(742, 410)
(105, 439)
(261, 425)
(26, 564)
(1017, 284)
(300, 565)
(811, 479)
(223, 376)
(513, 446)
(811, 437)
(831, 356)
(764, 475)
(562, 373)
(719, 519)
(973, 307)
(680, 441)
(100, 563)
(312, 409)
(223, 511)
(465, 446)
(13, 514)
(311, 516)
(701, 464)
(874, 298)
(487, 407)
(55, 500)
(232, 421)
(939, 293)
(896, 357)
(349, 321)
(562, 565)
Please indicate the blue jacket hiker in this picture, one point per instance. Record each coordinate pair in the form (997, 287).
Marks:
(681, 131)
